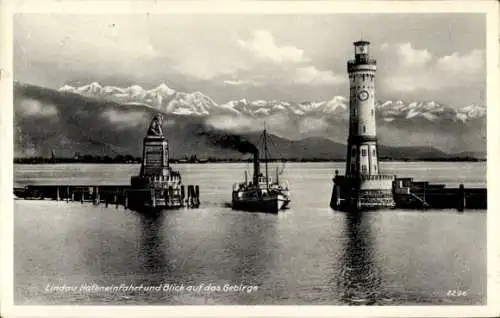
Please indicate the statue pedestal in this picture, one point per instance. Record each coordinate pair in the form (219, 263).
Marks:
(157, 187)
(155, 156)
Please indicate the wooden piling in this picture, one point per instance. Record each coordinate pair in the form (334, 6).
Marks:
(97, 195)
(165, 194)
(58, 197)
(125, 203)
(190, 196)
(461, 198)
(335, 199)
(171, 194)
(423, 200)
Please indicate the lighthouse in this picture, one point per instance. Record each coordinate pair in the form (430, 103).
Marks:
(362, 141)
(363, 187)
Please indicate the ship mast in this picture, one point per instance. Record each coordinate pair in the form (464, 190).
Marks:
(265, 156)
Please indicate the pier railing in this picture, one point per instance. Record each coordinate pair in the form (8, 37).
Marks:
(367, 177)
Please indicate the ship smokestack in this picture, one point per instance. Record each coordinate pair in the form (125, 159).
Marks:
(256, 167)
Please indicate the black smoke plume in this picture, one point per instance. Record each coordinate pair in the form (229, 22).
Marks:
(231, 141)
(227, 140)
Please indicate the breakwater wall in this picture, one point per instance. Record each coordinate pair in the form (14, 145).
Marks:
(125, 195)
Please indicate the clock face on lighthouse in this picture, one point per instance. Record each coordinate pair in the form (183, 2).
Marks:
(363, 95)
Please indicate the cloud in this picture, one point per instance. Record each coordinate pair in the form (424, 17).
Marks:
(232, 123)
(278, 124)
(414, 69)
(264, 46)
(31, 107)
(238, 82)
(310, 125)
(269, 63)
(311, 75)
(90, 49)
(409, 57)
(194, 67)
(125, 118)
(471, 63)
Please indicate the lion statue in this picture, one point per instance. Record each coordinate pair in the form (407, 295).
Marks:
(155, 126)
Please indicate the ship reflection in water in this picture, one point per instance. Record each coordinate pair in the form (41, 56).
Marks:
(359, 277)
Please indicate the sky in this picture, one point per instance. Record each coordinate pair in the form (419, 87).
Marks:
(420, 57)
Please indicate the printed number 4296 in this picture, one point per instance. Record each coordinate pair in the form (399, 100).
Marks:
(456, 293)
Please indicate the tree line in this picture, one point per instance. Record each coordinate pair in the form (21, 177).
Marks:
(193, 159)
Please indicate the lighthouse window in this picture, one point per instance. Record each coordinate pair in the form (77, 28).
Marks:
(374, 152)
(364, 128)
(363, 152)
(375, 168)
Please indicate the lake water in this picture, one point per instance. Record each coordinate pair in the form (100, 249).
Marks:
(307, 254)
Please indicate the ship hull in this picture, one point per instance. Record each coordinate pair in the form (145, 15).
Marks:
(284, 201)
(271, 204)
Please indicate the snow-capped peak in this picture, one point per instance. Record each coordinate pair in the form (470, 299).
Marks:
(89, 89)
(339, 99)
(164, 89)
(135, 90)
(473, 111)
(66, 88)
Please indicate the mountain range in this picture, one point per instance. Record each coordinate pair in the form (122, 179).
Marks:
(109, 120)
(171, 101)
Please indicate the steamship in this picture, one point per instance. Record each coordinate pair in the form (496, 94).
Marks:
(261, 194)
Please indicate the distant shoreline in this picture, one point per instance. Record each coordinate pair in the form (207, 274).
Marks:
(32, 161)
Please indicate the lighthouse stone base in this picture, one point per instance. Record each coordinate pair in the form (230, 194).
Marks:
(358, 193)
